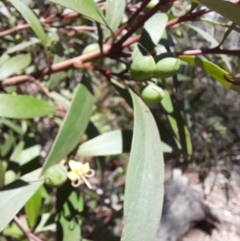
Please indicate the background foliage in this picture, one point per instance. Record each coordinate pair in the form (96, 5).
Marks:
(66, 94)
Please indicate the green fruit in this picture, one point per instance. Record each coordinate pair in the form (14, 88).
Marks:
(90, 48)
(167, 67)
(55, 175)
(142, 68)
(152, 94)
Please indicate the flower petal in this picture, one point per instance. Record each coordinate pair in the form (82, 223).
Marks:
(73, 176)
(86, 168)
(75, 166)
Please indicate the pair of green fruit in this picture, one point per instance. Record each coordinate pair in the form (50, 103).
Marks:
(145, 68)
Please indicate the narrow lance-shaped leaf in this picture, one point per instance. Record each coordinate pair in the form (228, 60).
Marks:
(87, 8)
(33, 206)
(145, 176)
(151, 34)
(14, 196)
(155, 26)
(22, 106)
(111, 143)
(30, 18)
(114, 13)
(22, 46)
(179, 128)
(12, 125)
(74, 125)
(14, 64)
(226, 8)
(213, 70)
(214, 43)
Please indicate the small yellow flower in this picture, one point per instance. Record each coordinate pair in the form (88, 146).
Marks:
(79, 172)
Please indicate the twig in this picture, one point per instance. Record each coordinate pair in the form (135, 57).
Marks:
(210, 51)
(188, 17)
(26, 231)
(142, 21)
(64, 65)
(130, 20)
(42, 21)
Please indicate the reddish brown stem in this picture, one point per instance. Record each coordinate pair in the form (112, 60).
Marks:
(27, 232)
(42, 21)
(140, 23)
(188, 17)
(210, 51)
(130, 20)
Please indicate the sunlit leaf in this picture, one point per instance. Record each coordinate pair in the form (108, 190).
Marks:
(114, 13)
(14, 196)
(155, 26)
(17, 152)
(88, 8)
(44, 225)
(111, 143)
(29, 154)
(30, 18)
(14, 64)
(23, 106)
(73, 126)
(145, 176)
(151, 34)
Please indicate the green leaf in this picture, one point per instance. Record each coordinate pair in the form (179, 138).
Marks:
(23, 106)
(225, 8)
(29, 154)
(14, 196)
(211, 69)
(17, 152)
(213, 41)
(10, 124)
(31, 19)
(155, 26)
(180, 130)
(14, 64)
(4, 58)
(32, 207)
(151, 34)
(110, 143)
(88, 8)
(208, 37)
(69, 206)
(2, 172)
(60, 99)
(44, 225)
(8, 143)
(114, 13)
(73, 126)
(145, 176)
(22, 46)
